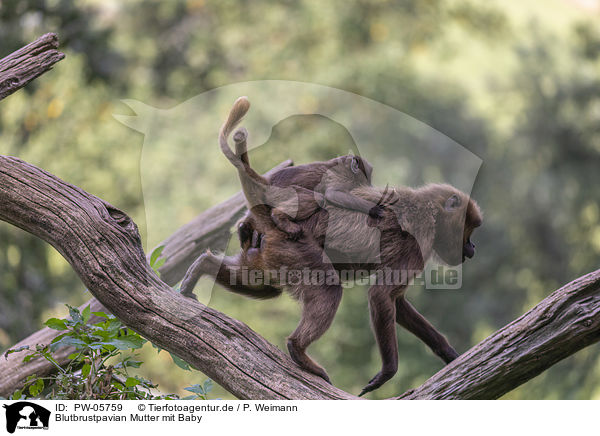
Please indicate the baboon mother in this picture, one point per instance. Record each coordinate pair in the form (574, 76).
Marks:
(434, 219)
(417, 224)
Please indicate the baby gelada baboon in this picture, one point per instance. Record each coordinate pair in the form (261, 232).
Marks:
(312, 185)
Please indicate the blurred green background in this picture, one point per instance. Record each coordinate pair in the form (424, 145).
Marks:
(515, 82)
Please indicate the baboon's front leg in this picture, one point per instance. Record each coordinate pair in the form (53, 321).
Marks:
(408, 317)
(383, 310)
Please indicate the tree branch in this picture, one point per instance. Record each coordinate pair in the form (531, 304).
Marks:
(559, 326)
(210, 229)
(103, 246)
(22, 66)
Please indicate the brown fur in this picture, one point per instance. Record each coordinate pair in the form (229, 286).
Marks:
(431, 220)
(310, 185)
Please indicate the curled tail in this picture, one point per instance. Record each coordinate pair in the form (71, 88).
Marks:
(239, 109)
(240, 158)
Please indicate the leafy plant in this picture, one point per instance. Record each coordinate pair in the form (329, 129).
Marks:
(200, 391)
(88, 375)
(155, 262)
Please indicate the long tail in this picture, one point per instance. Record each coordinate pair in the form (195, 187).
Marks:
(240, 158)
(239, 109)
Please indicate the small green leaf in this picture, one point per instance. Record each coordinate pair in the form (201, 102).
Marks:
(87, 313)
(101, 314)
(197, 389)
(113, 326)
(58, 338)
(16, 350)
(56, 324)
(208, 385)
(17, 395)
(131, 382)
(180, 362)
(159, 263)
(85, 370)
(67, 341)
(155, 255)
(74, 313)
(126, 342)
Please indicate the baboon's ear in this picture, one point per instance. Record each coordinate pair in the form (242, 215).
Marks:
(354, 165)
(452, 203)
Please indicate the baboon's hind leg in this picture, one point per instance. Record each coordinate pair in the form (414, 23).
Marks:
(319, 307)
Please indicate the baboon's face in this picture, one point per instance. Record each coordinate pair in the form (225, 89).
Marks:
(458, 217)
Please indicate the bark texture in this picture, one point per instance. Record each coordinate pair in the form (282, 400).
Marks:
(559, 326)
(103, 246)
(22, 66)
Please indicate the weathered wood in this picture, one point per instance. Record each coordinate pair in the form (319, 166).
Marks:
(102, 244)
(210, 229)
(22, 66)
(562, 324)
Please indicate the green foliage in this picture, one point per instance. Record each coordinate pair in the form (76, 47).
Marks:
(155, 261)
(98, 369)
(200, 391)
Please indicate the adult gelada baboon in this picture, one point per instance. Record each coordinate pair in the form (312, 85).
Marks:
(417, 224)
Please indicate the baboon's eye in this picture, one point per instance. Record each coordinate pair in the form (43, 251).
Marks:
(452, 203)
(354, 165)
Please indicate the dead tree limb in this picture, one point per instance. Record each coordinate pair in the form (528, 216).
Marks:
(103, 246)
(22, 66)
(210, 229)
(559, 326)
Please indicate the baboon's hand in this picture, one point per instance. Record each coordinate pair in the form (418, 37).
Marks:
(376, 382)
(376, 212)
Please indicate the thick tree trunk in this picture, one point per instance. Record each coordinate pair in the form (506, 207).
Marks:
(22, 66)
(210, 229)
(103, 246)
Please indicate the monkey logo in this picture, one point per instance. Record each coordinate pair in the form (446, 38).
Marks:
(26, 415)
(182, 143)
